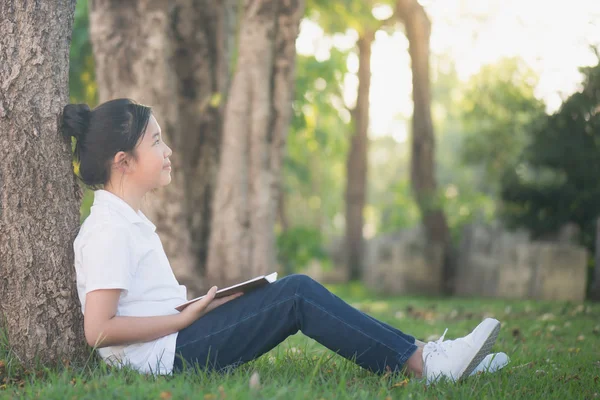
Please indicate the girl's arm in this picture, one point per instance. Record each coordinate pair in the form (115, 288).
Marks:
(103, 328)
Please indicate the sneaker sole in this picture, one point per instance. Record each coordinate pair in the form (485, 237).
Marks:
(482, 352)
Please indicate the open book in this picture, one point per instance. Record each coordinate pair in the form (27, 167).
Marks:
(240, 287)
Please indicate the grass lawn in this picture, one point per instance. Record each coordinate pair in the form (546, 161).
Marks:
(554, 349)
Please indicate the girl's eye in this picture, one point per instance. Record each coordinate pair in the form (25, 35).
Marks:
(157, 141)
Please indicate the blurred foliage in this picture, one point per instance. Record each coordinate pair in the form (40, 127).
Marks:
(555, 180)
(299, 246)
(313, 171)
(497, 109)
(82, 77)
(82, 81)
(341, 15)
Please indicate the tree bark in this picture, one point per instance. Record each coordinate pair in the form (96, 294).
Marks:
(356, 165)
(257, 117)
(175, 57)
(423, 180)
(39, 196)
(595, 287)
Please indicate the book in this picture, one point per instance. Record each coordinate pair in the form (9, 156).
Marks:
(246, 286)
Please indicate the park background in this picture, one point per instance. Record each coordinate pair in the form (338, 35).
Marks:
(432, 162)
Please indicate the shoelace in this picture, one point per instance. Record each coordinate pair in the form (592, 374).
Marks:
(437, 345)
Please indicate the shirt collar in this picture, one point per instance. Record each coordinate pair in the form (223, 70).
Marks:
(116, 203)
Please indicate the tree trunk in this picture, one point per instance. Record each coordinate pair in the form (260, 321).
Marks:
(356, 165)
(595, 287)
(418, 31)
(39, 196)
(282, 211)
(257, 117)
(173, 56)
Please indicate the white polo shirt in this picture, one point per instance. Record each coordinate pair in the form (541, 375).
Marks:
(118, 248)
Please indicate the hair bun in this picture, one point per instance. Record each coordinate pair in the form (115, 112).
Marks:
(76, 120)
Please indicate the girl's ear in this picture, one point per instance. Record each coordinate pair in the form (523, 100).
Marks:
(122, 162)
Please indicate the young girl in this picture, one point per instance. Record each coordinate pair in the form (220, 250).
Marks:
(128, 292)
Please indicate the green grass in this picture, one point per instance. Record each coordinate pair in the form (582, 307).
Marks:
(554, 350)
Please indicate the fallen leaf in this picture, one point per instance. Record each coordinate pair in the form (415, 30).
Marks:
(528, 365)
(209, 396)
(165, 395)
(432, 338)
(578, 310)
(400, 384)
(222, 392)
(546, 317)
(255, 381)
(580, 338)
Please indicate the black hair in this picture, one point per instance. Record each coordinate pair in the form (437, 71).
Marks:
(113, 126)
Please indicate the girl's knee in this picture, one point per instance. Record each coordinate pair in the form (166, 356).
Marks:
(300, 281)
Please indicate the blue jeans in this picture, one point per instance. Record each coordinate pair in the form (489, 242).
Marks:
(247, 327)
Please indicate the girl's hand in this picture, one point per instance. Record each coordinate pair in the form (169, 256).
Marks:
(208, 303)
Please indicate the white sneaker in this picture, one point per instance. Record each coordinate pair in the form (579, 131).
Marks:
(492, 363)
(456, 359)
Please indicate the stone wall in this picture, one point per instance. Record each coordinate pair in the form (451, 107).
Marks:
(403, 262)
(493, 262)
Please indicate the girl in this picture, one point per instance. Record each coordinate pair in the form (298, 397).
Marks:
(128, 292)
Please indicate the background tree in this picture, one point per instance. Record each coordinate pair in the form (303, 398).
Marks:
(356, 165)
(161, 58)
(337, 17)
(255, 128)
(497, 110)
(39, 198)
(555, 181)
(423, 179)
(313, 170)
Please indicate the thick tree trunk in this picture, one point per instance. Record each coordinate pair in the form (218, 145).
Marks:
(173, 56)
(356, 165)
(39, 197)
(256, 122)
(418, 31)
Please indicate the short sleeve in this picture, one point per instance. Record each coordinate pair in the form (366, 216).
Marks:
(107, 259)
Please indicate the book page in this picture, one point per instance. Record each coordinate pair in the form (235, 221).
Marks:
(240, 287)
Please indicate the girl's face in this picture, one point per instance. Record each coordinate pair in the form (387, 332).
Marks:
(152, 168)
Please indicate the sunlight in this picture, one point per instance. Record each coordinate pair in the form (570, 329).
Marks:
(552, 39)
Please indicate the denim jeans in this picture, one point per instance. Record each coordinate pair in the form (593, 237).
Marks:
(247, 327)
